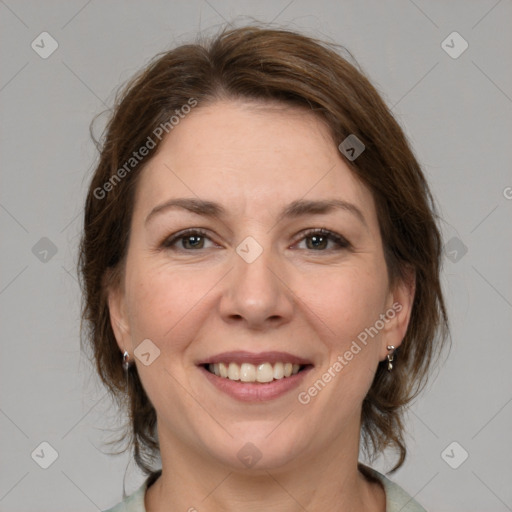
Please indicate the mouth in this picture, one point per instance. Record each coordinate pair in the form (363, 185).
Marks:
(255, 377)
(247, 372)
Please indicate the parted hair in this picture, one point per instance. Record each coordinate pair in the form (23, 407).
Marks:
(267, 65)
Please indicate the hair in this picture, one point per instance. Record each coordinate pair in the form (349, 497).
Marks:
(268, 66)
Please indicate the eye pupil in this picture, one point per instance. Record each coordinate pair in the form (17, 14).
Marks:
(318, 241)
(192, 241)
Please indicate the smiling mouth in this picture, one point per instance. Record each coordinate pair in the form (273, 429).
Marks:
(254, 373)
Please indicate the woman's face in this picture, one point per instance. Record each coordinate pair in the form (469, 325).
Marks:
(256, 287)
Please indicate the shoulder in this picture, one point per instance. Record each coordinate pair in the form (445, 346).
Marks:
(132, 503)
(397, 500)
(135, 502)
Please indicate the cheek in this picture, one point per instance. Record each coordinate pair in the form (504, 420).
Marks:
(162, 304)
(347, 307)
(347, 302)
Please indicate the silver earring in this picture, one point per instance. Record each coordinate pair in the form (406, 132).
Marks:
(390, 357)
(126, 362)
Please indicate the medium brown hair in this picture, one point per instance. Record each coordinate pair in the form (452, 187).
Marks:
(267, 65)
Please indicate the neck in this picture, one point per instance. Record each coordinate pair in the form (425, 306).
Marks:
(328, 481)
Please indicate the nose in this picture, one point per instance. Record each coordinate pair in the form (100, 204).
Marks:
(257, 294)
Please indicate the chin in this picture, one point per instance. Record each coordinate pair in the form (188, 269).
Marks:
(254, 449)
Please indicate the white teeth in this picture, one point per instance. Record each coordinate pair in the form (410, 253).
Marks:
(265, 373)
(278, 371)
(223, 369)
(247, 372)
(233, 371)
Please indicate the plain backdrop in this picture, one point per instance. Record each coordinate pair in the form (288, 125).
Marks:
(455, 107)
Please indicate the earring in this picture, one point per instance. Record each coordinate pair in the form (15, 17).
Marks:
(390, 357)
(126, 362)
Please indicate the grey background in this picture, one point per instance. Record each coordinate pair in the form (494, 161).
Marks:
(457, 113)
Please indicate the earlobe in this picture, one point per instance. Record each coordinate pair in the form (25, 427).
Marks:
(118, 318)
(400, 309)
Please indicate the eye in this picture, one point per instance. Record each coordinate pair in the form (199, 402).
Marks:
(188, 240)
(319, 239)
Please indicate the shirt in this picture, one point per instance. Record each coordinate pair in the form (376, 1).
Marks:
(397, 500)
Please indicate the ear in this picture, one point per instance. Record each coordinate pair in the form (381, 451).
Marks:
(118, 315)
(398, 312)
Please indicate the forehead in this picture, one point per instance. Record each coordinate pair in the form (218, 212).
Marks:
(251, 158)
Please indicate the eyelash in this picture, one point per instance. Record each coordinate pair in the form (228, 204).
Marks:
(342, 242)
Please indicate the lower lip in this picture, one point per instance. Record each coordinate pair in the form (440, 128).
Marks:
(255, 391)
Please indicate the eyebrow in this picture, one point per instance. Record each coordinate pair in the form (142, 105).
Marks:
(295, 209)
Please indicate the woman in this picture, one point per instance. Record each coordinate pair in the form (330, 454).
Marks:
(261, 272)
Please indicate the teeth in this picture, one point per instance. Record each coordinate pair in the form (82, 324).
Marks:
(223, 369)
(247, 372)
(278, 371)
(264, 373)
(233, 371)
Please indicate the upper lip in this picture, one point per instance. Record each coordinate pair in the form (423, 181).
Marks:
(241, 357)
